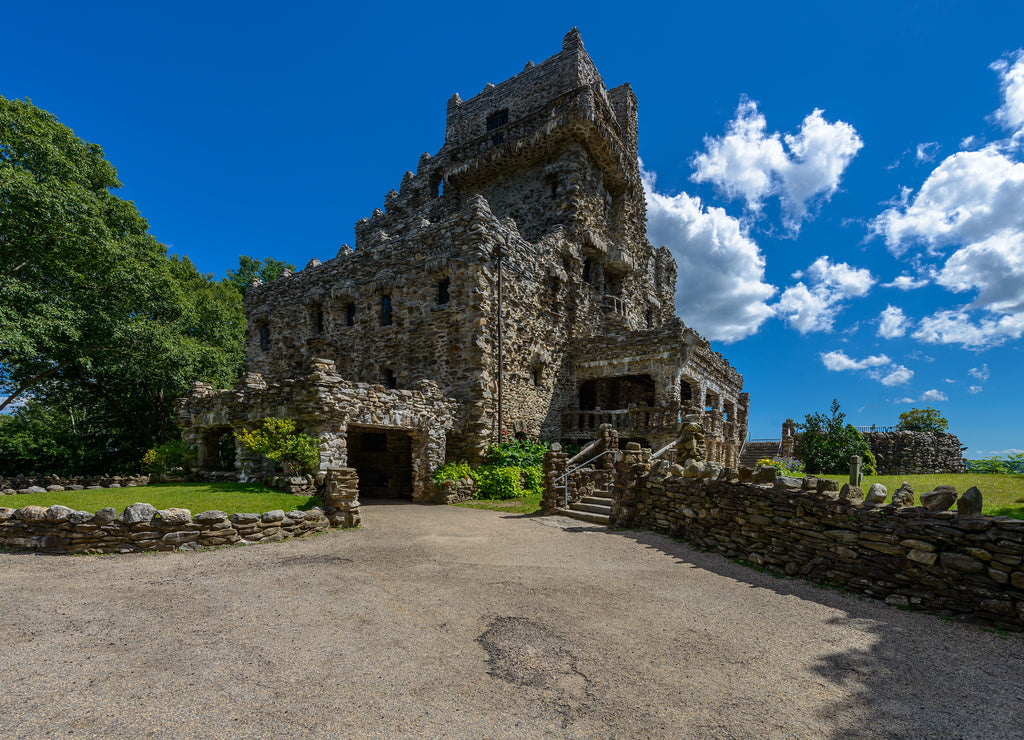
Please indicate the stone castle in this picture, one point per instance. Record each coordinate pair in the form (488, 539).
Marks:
(506, 289)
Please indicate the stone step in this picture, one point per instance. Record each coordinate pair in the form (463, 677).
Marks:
(600, 500)
(584, 516)
(593, 508)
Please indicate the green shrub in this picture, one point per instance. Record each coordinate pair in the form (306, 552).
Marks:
(498, 482)
(279, 440)
(519, 453)
(454, 471)
(172, 454)
(785, 465)
(533, 479)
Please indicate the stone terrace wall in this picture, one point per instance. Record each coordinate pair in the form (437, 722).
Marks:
(21, 483)
(140, 528)
(900, 453)
(936, 561)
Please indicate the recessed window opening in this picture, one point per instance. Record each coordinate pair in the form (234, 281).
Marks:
(385, 310)
(390, 381)
(443, 295)
(649, 319)
(318, 320)
(437, 185)
(537, 376)
(588, 270)
(264, 337)
(494, 122)
(350, 314)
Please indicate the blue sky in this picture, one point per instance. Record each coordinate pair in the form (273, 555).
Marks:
(842, 184)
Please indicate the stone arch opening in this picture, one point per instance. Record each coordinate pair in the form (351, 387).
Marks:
(382, 459)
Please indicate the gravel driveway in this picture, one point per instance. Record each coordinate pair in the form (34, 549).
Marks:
(436, 621)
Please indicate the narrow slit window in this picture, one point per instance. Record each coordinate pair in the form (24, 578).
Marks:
(443, 295)
(318, 320)
(587, 271)
(264, 337)
(390, 381)
(385, 310)
(350, 314)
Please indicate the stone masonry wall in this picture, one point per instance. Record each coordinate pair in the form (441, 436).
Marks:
(30, 484)
(969, 566)
(141, 528)
(900, 453)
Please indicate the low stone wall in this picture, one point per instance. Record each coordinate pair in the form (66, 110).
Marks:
(43, 483)
(903, 453)
(968, 566)
(141, 527)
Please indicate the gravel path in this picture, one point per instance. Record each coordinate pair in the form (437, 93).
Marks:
(435, 621)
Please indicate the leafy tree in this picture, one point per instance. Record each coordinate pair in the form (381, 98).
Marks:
(825, 443)
(923, 420)
(100, 331)
(250, 267)
(279, 440)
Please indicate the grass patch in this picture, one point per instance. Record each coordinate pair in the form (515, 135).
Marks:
(196, 497)
(1002, 494)
(528, 504)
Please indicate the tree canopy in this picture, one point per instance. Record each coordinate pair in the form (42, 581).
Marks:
(923, 420)
(100, 331)
(250, 267)
(825, 443)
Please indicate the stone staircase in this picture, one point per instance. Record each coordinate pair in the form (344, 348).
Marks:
(759, 450)
(596, 509)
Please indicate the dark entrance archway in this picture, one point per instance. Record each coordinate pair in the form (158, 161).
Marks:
(383, 460)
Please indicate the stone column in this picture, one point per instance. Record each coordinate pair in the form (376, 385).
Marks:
(555, 465)
(341, 497)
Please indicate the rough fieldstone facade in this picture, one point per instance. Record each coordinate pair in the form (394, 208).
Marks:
(512, 271)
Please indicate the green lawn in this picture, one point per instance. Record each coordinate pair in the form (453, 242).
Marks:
(529, 504)
(1002, 495)
(196, 497)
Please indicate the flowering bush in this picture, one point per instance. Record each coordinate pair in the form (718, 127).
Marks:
(785, 465)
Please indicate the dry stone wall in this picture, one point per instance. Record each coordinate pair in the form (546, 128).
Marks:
(143, 528)
(903, 453)
(43, 483)
(940, 561)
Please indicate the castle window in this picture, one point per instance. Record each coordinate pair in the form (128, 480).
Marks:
(264, 337)
(649, 319)
(318, 320)
(350, 314)
(385, 310)
(442, 292)
(588, 271)
(496, 121)
(553, 184)
(538, 377)
(390, 381)
(437, 185)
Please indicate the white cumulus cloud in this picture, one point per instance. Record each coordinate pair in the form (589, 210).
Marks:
(974, 389)
(934, 395)
(892, 323)
(906, 282)
(839, 360)
(750, 163)
(815, 307)
(1011, 83)
(994, 267)
(897, 376)
(981, 374)
(725, 296)
(957, 327)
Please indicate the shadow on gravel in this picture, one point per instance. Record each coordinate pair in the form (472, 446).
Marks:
(902, 686)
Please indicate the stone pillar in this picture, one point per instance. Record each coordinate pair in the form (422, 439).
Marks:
(856, 476)
(609, 440)
(556, 463)
(788, 437)
(631, 471)
(341, 497)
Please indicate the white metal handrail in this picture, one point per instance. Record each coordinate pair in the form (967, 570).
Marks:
(565, 476)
